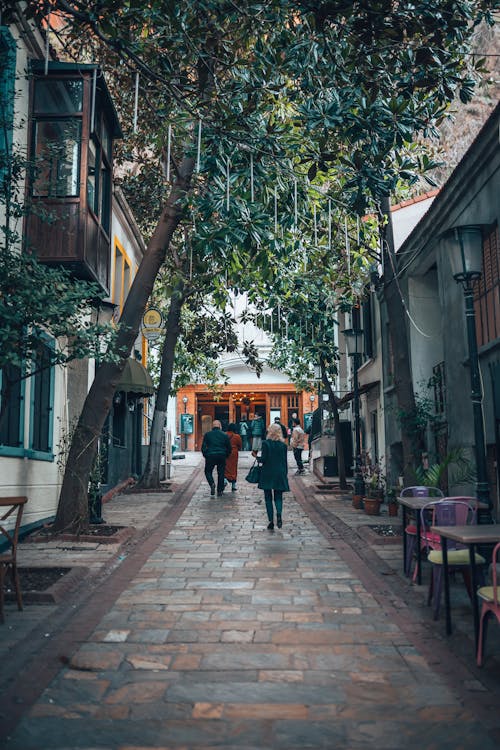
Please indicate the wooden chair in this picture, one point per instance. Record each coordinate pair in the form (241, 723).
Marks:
(14, 507)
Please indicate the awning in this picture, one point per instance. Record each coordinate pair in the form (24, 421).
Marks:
(135, 379)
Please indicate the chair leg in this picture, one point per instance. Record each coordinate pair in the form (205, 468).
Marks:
(415, 572)
(438, 583)
(482, 637)
(467, 581)
(2, 579)
(410, 549)
(17, 585)
(430, 591)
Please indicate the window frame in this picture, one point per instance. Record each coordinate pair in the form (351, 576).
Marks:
(45, 373)
(99, 136)
(12, 450)
(49, 193)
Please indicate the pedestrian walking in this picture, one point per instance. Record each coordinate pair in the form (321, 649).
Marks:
(298, 442)
(277, 420)
(290, 426)
(245, 435)
(274, 473)
(231, 471)
(258, 430)
(215, 448)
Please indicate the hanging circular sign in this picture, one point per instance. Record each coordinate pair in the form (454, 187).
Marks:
(153, 324)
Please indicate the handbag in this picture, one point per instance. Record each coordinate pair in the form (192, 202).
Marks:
(253, 475)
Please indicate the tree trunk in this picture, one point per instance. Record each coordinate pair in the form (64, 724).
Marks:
(398, 332)
(72, 513)
(151, 477)
(336, 420)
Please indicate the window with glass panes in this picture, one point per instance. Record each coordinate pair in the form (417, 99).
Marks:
(11, 409)
(99, 169)
(58, 108)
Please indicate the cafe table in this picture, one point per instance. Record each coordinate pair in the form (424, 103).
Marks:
(470, 536)
(414, 504)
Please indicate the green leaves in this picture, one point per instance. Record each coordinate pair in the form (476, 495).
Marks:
(37, 302)
(331, 95)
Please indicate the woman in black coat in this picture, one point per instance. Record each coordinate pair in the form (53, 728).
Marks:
(274, 473)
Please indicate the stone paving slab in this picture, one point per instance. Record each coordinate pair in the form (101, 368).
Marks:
(231, 636)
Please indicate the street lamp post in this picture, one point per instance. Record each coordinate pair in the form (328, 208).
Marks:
(354, 345)
(466, 260)
(184, 401)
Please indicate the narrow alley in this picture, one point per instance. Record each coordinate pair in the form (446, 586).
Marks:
(212, 632)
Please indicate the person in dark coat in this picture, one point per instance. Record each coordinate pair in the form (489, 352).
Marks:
(216, 448)
(274, 473)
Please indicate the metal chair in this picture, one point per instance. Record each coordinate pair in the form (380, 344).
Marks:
(9, 534)
(411, 528)
(449, 512)
(429, 540)
(491, 605)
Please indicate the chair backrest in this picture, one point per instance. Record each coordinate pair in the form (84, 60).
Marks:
(9, 533)
(428, 515)
(454, 513)
(463, 499)
(421, 491)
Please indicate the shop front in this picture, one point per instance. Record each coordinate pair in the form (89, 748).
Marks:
(238, 404)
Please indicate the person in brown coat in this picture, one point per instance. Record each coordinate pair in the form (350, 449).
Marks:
(231, 471)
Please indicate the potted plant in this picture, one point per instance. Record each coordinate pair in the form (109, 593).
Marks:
(375, 495)
(436, 474)
(391, 496)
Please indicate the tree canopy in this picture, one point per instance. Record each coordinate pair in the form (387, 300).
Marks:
(259, 124)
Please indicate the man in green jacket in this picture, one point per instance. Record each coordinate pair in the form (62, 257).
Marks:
(215, 448)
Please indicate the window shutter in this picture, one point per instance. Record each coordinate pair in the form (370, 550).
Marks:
(7, 90)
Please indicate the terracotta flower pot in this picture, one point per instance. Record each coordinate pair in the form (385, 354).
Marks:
(372, 506)
(393, 509)
(357, 502)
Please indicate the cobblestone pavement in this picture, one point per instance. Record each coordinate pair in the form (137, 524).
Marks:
(209, 631)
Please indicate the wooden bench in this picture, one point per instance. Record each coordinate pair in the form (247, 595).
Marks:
(10, 506)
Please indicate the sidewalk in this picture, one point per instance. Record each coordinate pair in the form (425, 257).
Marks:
(205, 630)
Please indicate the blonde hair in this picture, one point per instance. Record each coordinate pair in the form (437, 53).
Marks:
(275, 432)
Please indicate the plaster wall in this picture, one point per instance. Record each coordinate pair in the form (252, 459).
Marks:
(470, 196)
(40, 479)
(405, 219)
(425, 328)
